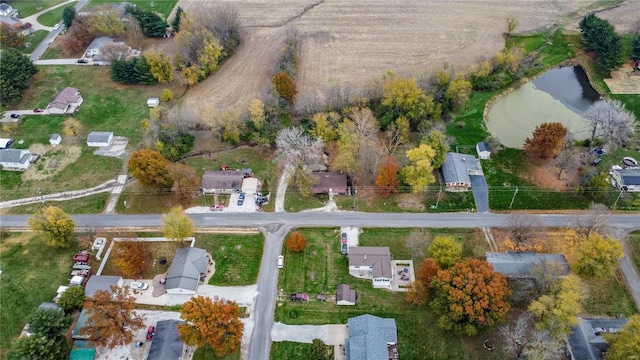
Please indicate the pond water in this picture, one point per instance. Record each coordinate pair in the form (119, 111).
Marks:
(560, 95)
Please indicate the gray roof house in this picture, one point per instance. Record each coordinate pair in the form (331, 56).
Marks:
(15, 159)
(99, 138)
(586, 341)
(371, 338)
(166, 343)
(97, 44)
(187, 267)
(519, 264)
(627, 179)
(66, 101)
(371, 262)
(457, 168)
(222, 181)
(101, 282)
(345, 295)
(484, 152)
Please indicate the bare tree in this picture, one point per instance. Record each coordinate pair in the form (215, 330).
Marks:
(114, 51)
(543, 346)
(546, 276)
(596, 221)
(365, 125)
(523, 228)
(516, 335)
(417, 242)
(566, 158)
(295, 145)
(221, 21)
(611, 123)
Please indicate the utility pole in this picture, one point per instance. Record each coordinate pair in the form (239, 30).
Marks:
(438, 199)
(513, 198)
(355, 193)
(618, 198)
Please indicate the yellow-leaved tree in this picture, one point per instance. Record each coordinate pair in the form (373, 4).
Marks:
(177, 225)
(597, 256)
(557, 312)
(55, 224)
(419, 173)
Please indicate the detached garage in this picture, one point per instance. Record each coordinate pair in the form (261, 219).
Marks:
(99, 139)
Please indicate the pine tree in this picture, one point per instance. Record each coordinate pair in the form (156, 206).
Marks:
(142, 72)
(175, 24)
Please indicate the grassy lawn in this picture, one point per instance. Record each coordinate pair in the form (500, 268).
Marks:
(31, 273)
(28, 8)
(54, 51)
(93, 204)
(633, 241)
(159, 249)
(31, 41)
(605, 297)
(54, 16)
(237, 257)
(206, 353)
(293, 350)
(163, 7)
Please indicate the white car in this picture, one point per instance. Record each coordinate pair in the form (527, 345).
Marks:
(280, 262)
(56, 27)
(139, 285)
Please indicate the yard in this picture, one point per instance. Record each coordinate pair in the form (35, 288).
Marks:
(28, 8)
(31, 41)
(50, 18)
(93, 204)
(159, 249)
(237, 257)
(163, 7)
(633, 242)
(293, 350)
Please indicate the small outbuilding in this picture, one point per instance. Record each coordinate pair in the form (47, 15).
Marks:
(55, 139)
(345, 295)
(101, 282)
(484, 152)
(99, 139)
(153, 102)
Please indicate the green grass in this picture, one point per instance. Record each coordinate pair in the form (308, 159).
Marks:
(93, 204)
(237, 257)
(605, 297)
(163, 7)
(294, 350)
(633, 241)
(294, 201)
(159, 249)
(206, 353)
(54, 51)
(32, 40)
(31, 273)
(54, 16)
(28, 8)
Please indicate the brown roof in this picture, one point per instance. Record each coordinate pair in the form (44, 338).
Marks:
(65, 97)
(222, 179)
(344, 292)
(329, 180)
(377, 257)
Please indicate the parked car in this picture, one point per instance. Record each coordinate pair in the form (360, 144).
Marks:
(37, 110)
(299, 297)
(83, 61)
(345, 249)
(241, 199)
(216, 207)
(280, 262)
(139, 285)
(56, 27)
(15, 116)
(150, 332)
(344, 238)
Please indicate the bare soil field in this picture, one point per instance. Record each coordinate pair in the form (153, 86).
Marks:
(351, 42)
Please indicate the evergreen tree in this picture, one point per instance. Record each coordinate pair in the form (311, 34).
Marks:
(68, 15)
(143, 73)
(122, 71)
(15, 73)
(635, 48)
(600, 37)
(151, 23)
(175, 24)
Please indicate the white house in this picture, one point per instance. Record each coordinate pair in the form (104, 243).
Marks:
(627, 179)
(371, 263)
(15, 159)
(153, 102)
(96, 45)
(484, 152)
(66, 101)
(188, 266)
(5, 9)
(99, 139)
(55, 139)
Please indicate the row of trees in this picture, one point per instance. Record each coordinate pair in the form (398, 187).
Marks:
(600, 37)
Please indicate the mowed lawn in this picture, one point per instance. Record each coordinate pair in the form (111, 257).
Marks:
(163, 7)
(54, 16)
(237, 257)
(293, 350)
(93, 204)
(31, 274)
(28, 8)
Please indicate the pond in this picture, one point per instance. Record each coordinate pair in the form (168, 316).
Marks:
(560, 95)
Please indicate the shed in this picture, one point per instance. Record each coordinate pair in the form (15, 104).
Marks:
(153, 102)
(55, 139)
(99, 139)
(101, 282)
(484, 152)
(345, 295)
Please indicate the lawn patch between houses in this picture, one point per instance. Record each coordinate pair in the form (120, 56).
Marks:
(237, 257)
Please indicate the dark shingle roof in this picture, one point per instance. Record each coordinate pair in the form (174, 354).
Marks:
(584, 344)
(185, 270)
(519, 264)
(227, 179)
(345, 293)
(329, 180)
(369, 336)
(379, 257)
(100, 282)
(483, 146)
(166, 343)
(630, 176)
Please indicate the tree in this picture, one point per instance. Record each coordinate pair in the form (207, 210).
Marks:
(387, 180)
(160, 67)
(122, 71)
(38, 347)
(546, 142)
(68, 14)
(417, 294)
(197, 49)
(132, 257)
(600, 37)
(523, 229)
(285, 86)
(151, 23)
(419, 174)
(635, 48)
(71, 127)
(167, 95)
(78, 36)
(56, 225)
(458, 92)
(15, 73)
(445, 250)
(557, 312)
(598, 256)
(515, 336)
(113, 51)
(72, 299)
(397, 133)
(50, 323)
(543, 346)
(112, 320)
(296, 147)
(611, 123)
(319, 351)
(596, 221)
(429, 268)
(175, 23)
(151, 169)
(9, 37)
(142, 71)
(403, 97)
(438, 142)
(469, 297)
(107, 21)
(214, 323)
(296, 241)
(186, 183)
(177, 225)
(625, 344)
(417, 242)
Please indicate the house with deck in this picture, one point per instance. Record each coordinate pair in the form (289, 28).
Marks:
(188, 267)
(369, 262)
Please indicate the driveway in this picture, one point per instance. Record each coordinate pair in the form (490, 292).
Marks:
(480, 192)
(243, 295)
(329, 334)
(7, 114)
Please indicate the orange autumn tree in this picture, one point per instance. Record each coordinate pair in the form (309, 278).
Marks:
(469, 297)
(132, 257)
(296, 242)
(213, 323)
(546, 142)
(418, 292)
(387, 180)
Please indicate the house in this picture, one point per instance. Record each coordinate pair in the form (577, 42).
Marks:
(222, 181)
(15, 159)
(5, 143)
(518, 265)
(324, 181)
(371, 338)
(457, 169)
(5, 9)
(371, 263)
(55, 139)
(345, 295)
(153, 102)
(627, 179)
(66, 101)
(99, 139)
(586, 341)
(96, 45)
(166, 343)
(101, 282)
(188, 266)
(484, 152)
